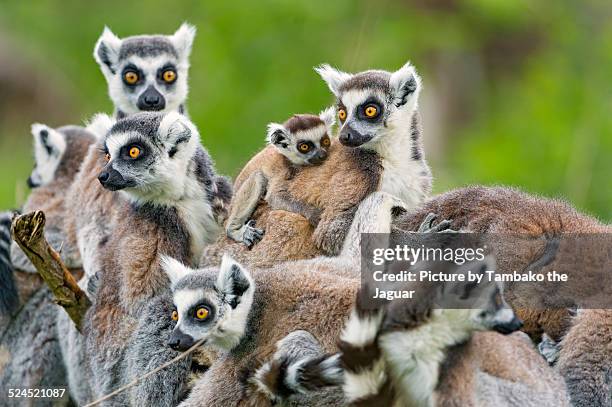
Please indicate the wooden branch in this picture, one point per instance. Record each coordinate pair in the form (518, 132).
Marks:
(28, 231)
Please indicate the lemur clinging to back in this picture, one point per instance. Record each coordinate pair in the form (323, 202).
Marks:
(303, 140)
(148, 190)
(386, 156)
(146, 72)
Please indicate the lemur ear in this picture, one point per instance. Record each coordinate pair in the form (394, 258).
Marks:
(47, 142)
(333, 77)
(233, 280)
(175, 130)
(174, 269)
(278, 135)
(328, 116)
(406, 84)
(100, 124)
(182, 40)
(106, 51)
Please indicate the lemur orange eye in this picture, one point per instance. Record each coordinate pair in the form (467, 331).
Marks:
(174, 315)
(342, 114)
(169, 76)
(202, 313)
(134, 152)
(107, 157)
(130, 77)
(303, 147)
(325, 141)
(371, 111)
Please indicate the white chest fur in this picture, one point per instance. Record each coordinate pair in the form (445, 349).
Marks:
(402, 176)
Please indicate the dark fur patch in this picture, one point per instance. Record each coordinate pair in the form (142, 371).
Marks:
(146, 46)
(368, 80)
(9, 296)
(406, 90)
(103, 52)
(384, 397)
(300, 122)
(313, 375)
(145, 123)
(356, 359)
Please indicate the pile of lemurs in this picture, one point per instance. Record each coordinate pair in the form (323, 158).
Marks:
(267, 271)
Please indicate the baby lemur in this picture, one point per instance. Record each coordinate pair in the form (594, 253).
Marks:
(146, 72)
(148, 189)
(303, 140)
(387, 156)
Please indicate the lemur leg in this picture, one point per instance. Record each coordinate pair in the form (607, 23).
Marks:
(282, 200)
(239, 228)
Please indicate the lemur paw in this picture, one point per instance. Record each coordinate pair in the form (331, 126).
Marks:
(428, 225)
(549, 349)
(250, 234)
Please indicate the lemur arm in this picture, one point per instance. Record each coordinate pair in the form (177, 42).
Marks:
(332, 229)
(245, 201)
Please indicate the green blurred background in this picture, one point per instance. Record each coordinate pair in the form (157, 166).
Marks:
(516, 92)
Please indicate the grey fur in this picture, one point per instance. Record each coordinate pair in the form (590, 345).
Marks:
(149, 350)
(9, 297)
(31, 346)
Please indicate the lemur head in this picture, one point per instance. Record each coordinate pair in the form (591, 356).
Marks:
(463, 306)
(146, 72)
(149, 156)
(57, 152)
(209, 305)
(304, 138)
(371, 102)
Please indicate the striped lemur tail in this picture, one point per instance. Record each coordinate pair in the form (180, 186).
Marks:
(9, 297)
(299, 366)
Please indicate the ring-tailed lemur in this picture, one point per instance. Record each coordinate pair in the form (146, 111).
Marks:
(392, 161)
(314, 295)
(58, 154)
(511, 212)
(146, 72)
(303, 140)
(420, 352)
(148, 190)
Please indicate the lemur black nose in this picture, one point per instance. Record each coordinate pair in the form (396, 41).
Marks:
(345, 138)
(151, 100)
(180, 341)
(103, 177)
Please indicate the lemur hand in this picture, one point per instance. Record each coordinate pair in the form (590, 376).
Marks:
(428, 226)
(250, 234)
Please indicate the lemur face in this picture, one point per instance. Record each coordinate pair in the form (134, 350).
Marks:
(369, 103)
(304, 139)
(49, 148)
(209, 305)
(148, 155)
(477, 307)
(146, 73)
